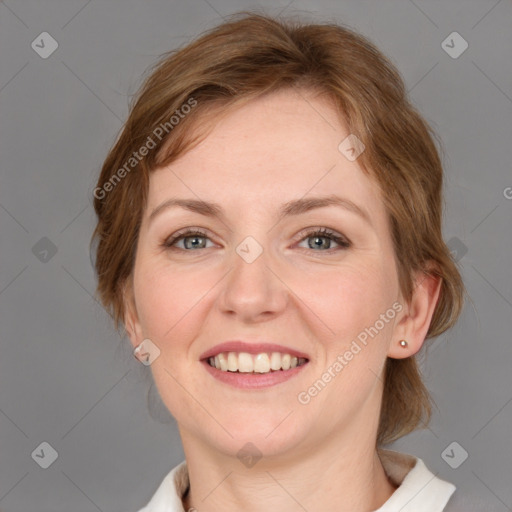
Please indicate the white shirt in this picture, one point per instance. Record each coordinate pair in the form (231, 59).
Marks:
(419, 490)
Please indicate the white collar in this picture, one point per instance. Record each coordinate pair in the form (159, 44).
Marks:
(419, 489)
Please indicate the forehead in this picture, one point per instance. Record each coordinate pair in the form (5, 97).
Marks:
(276, 148)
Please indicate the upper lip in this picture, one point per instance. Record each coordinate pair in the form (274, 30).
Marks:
(251, 348)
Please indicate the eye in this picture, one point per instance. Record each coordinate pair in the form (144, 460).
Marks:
(196, 239)
(191, 237)
(324, 234)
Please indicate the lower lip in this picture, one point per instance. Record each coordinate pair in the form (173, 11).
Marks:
(253, 380)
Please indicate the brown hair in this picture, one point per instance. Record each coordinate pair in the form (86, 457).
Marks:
(253, 54)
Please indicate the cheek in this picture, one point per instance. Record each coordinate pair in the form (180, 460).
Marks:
(347, 299)
(357, 306)
(171, 305)
(170, 299)
(350, 301)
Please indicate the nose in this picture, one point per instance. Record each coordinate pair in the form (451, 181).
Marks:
(253, 290)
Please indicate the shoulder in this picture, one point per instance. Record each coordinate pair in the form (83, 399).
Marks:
(167, 497)
(419, 490)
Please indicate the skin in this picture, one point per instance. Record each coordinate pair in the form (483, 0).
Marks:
(319, 456)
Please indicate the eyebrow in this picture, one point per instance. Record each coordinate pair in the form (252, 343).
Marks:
(291, 208)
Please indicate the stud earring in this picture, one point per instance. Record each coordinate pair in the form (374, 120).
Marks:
(404, 344)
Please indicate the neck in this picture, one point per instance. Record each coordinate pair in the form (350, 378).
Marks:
(336, 475)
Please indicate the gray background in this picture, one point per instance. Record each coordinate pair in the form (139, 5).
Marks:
(66, 377)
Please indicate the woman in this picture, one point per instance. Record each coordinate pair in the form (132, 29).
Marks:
(269, 235)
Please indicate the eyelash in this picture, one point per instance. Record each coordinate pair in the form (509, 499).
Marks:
(321, 233)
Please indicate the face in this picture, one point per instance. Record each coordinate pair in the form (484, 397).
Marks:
(318, 283)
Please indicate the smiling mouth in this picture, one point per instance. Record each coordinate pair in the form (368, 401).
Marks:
(265, 362)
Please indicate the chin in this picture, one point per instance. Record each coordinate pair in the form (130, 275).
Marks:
(274, 435)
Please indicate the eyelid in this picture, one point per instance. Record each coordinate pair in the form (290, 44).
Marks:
(184, 233)
(325, 232)
(311, 231)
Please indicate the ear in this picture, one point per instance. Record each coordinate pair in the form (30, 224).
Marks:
(417, 315)
(131, 318)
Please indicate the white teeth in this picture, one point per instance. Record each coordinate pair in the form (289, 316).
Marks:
(262, 363)
(275, 361)
(232, 362)
(244, 362)
(223, 363)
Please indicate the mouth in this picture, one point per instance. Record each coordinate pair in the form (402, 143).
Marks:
(253, 366)
(263, 362)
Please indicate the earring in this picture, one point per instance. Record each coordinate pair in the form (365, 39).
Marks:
(403, 343)
(142, 354)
